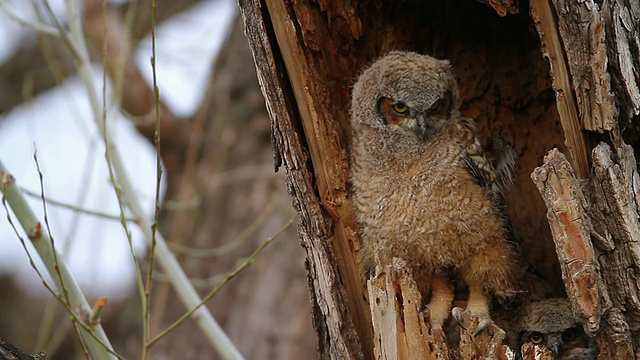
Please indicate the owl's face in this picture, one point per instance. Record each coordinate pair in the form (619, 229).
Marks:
(549, 323)
(567, 344)
(407, 93)
(410, 119)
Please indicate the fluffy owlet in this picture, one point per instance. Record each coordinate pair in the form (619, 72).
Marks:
(424, 188)
(549, 323)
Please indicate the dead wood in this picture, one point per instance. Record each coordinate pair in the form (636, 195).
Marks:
(308, 54)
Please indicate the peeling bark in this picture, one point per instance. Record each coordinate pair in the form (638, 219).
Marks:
(531, 352)
(571, 228)
(602, 283)
(400, 330)
(330, 305)
(614, 195)
(9, 351)
(552, 49)
(587, 59)
(622, 22)
(308, 54)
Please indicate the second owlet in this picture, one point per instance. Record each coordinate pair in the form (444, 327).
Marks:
(424, 189)
(550, 324)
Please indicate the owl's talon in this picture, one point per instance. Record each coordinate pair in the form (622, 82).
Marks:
(424, 308)
(493, 330)
(425, 312)
(485, 324)
(457, 312)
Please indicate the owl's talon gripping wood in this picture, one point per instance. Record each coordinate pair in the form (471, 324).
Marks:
(457, 312)
(486, 324)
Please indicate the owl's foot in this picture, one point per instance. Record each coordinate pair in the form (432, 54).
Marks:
(457, 314)
(480, 338)
(486, 324)
(441, 299)
(467, 321)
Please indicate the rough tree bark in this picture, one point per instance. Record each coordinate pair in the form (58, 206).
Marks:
(595, 221)
(309, 53)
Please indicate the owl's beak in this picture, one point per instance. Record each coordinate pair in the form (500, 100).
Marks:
(421, 127)
(555, 346)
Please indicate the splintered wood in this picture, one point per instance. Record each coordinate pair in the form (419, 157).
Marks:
(596, 230)
(587, 61)
(307, 55)
(551, 45)
(530, 351)
(615, 189)
(401, 331)
(487, 345)
(335, 295)
(571, 228)
(615, 194)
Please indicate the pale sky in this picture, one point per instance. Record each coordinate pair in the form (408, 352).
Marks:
(70, 151)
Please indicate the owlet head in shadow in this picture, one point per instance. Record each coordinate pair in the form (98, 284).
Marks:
(549, 323)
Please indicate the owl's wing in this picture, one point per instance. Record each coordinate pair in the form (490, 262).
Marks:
(492, 165)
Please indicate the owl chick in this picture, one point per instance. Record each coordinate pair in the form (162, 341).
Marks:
(424, 190)
(549, 323)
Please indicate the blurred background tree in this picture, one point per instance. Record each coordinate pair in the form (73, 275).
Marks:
(222, 198)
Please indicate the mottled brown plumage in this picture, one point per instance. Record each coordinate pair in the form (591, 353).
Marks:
(550, 324)
(424, 189)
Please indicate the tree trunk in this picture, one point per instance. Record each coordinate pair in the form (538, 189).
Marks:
(309, 54)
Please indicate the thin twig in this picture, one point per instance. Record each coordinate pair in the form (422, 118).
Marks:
(63, 32)
(156, 214)
(227, 247)
(78, 209)
(37, 26)
(228, 278)
(49, 341)
(76, 37)
(75, 303)
(166, 259)
(60, 281)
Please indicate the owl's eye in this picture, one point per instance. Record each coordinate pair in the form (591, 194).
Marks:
(436, 107)
(400, 108)
(442, 108)
(570, 334)
(536, 338)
